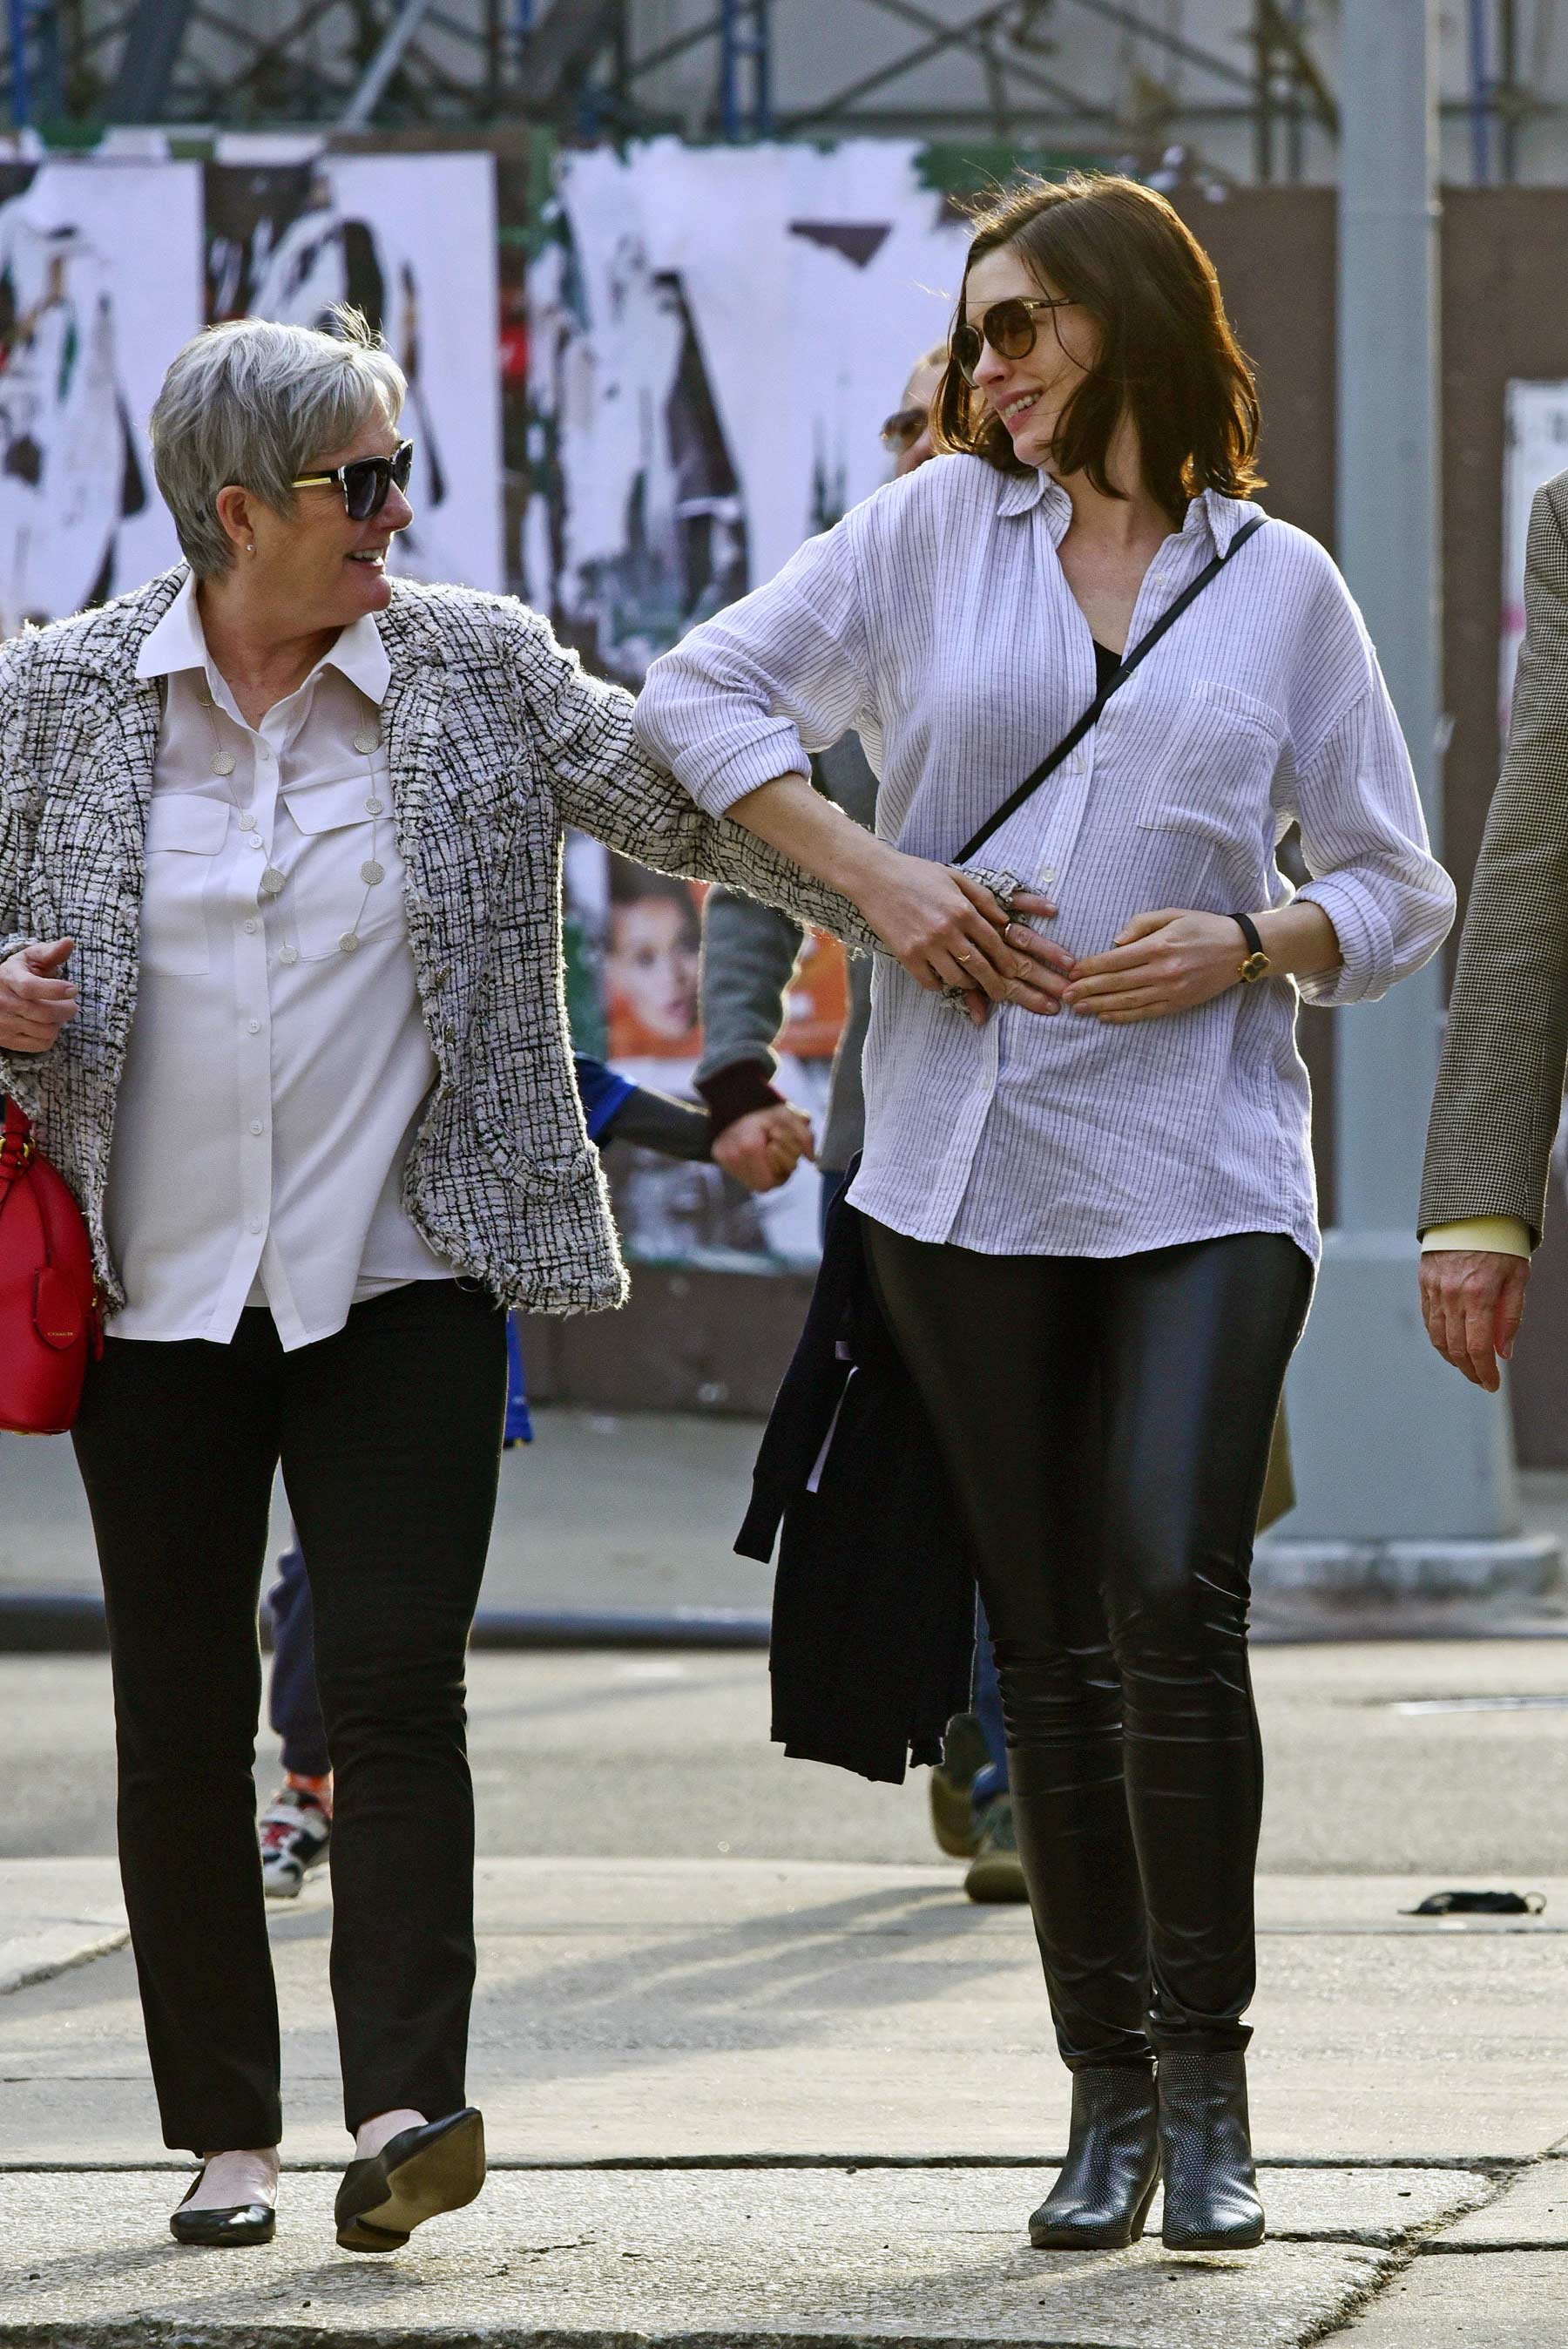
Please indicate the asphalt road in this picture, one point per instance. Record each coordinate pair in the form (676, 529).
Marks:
(667, 1756)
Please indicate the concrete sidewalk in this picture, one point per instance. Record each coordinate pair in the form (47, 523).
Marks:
(798, 2103)
(619, 1517)
(622, 1527)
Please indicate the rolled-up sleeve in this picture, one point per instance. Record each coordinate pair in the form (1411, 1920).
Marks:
(746, 696)
(1364, 838)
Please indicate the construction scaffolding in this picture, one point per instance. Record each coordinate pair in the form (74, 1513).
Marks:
(1096, 76)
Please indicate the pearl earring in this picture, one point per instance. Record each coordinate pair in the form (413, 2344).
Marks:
(252, 548)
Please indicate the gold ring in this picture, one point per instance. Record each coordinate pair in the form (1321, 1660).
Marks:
(965, 958)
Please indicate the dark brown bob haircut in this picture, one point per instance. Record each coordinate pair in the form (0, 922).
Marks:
(1167, 359)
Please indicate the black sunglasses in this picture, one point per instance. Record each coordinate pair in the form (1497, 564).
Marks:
(367, 482)
(903, 429)
(1008, 327)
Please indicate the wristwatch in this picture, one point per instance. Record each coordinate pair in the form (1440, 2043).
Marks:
(1257, 964)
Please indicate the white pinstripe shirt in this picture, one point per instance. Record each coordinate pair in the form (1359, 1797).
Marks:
(935, 618)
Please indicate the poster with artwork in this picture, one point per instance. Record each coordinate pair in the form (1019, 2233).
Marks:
(715, 337)
(100, 278)
(411, 241)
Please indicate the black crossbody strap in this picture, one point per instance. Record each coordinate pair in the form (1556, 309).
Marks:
(1118, 677)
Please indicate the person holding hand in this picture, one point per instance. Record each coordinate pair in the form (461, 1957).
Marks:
(749, 950)
(1112, 1204)
(748, 955)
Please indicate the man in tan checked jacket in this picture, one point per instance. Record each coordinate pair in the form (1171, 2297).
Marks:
(1500, 1088)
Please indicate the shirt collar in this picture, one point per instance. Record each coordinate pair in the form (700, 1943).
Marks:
(177, 642)
(1022, 492)
(1224, 516)
(180, 642)
(1209, 510)
(361, 655)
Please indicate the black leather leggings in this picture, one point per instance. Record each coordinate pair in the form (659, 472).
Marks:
(1106, 1423)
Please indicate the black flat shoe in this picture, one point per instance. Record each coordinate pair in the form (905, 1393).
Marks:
(1205, 2145)
(416, 2176)
(1101, 2198)
(223, 2230)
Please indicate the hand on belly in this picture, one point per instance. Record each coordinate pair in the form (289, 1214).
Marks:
(1161, 963)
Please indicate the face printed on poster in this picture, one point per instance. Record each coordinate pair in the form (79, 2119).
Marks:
(652, 954)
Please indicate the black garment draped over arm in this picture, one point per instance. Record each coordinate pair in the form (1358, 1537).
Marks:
(873, 1604)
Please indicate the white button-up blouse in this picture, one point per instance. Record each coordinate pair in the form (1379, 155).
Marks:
(936, 620)
(278, 1062)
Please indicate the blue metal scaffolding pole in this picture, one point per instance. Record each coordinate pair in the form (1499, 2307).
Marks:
(17, 13)
(745, 84)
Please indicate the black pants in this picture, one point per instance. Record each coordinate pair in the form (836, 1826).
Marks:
(1107, 1424)
(389, 1436)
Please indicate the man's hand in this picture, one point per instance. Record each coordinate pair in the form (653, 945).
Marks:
(763, 1148)
(948, 931)
(34, 1001)
(1472, 1301)
(1161, 963)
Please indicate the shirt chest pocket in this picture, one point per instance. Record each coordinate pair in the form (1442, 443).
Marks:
(184, 834)
(346, 876)
(1212, 774)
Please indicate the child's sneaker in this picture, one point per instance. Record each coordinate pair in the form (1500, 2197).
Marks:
(296, 1832)
(995, 1872)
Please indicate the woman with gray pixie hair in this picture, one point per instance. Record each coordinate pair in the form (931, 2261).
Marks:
(303, 823)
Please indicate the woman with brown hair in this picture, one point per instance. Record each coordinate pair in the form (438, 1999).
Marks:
(1094, 1235)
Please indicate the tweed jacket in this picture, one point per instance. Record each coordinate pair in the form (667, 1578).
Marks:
(1499, 1086)
(497, 739)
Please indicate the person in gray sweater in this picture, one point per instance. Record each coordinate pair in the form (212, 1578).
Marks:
(748, 955)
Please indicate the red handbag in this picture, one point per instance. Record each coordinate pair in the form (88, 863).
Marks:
(50, 1309)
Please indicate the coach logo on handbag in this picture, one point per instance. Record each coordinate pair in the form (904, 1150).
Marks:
(57, 1313)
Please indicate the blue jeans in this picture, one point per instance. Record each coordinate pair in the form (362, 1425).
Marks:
(294, 1708)
(992, 1780)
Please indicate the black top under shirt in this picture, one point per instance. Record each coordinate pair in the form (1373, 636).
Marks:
(1106, 663)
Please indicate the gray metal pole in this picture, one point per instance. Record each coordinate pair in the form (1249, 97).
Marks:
(1405, 1472)
(155, 34)
(362, 106)
(1389, 536)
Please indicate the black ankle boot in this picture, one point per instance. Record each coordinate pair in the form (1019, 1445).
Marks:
(1205, 2151)
(1101, 2198)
